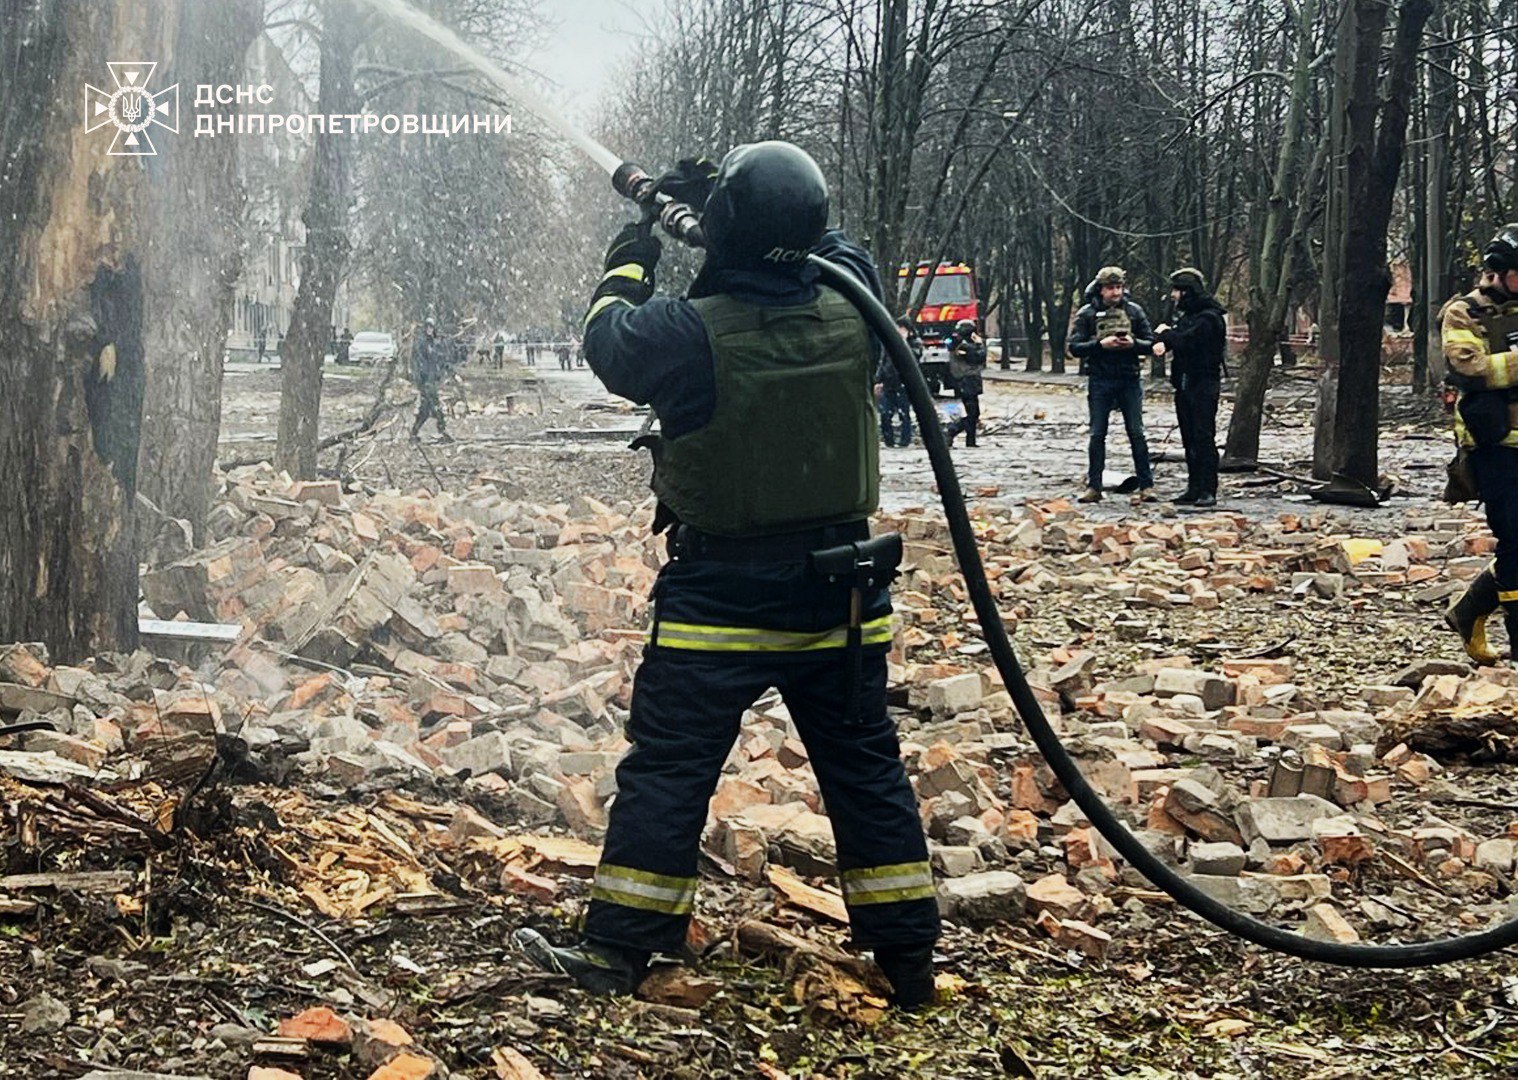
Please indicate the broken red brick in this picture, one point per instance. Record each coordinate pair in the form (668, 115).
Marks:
(308, 690)
(1023, 825)
(1056, 895)
(545, 890)
(379, 1040)
(1286, 864)
(1347, 850)
(318, 1024)
(405, 1066)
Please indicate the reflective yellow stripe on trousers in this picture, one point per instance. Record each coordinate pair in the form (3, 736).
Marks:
(887, 884)
(643, 889)
(679, 635)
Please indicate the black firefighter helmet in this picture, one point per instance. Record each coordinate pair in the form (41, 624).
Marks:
(768, 207)
(1501, 252)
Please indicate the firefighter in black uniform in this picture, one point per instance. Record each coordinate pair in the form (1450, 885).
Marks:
(1479, 333)
(766, 470)
(967, 366)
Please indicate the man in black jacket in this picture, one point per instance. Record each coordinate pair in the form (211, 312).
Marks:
(1111, 335)
(1198, 339)
(429, 366)
(891, 393)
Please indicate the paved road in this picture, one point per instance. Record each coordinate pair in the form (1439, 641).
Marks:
(1036, 443)
(1033, 446)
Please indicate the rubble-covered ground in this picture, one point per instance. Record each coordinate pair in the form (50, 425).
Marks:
(303, 854)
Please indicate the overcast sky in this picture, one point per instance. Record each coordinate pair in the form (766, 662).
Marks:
(593, 36)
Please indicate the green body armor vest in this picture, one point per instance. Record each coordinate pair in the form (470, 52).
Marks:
(1500, 325)
(1490, 417)
(794, 441)
(1112, 321)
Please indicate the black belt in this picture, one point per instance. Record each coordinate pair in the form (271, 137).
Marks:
(688, 542)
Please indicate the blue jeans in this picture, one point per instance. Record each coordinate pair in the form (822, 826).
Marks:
(894, 403)
(1102, 396)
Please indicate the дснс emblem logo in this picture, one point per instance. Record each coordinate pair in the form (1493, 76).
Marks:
(132, 108)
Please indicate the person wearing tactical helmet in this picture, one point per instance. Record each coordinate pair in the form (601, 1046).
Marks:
(967, 365)
(429, 364)
(1480, 341)
(1110, 336)
(766, 469)
(1198, 339)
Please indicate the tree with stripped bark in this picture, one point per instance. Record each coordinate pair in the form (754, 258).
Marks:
(72, 224)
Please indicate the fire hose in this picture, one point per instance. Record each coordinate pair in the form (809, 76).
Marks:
(683, 223)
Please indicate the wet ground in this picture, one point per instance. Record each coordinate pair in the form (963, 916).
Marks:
(560, 433)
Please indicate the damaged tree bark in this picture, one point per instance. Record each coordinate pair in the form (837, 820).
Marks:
(325, 259)
(71, 307)
(1375, 117)
(194, 257)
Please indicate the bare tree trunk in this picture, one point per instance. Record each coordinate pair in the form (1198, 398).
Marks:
(1270, 290)
(1417, 244)
(325, 259)
(1334, 223)
(194, 257)
(1374, 164)
(1437, 232)
(71, 305)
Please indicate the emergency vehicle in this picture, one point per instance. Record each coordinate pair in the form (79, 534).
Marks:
(951, 296)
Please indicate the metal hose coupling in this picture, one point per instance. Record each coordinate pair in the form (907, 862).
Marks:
(682, 222)
(679, 220)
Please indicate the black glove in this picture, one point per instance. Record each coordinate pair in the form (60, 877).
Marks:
(630, 261)
(689, 182)
(637, 245)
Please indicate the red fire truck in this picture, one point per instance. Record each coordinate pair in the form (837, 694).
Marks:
(951, 296)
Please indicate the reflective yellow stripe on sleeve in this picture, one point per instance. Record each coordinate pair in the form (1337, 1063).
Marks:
(627, 270)
(887, 884)
(1507, 596)
(643, 889)
(701, 638)
(602, 304)
(1501, 366)
(1464, 337)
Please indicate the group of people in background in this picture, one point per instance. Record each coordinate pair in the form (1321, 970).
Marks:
(967, 365)
(1111, 336)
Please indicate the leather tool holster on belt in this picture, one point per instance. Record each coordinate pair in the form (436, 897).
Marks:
(864, 564)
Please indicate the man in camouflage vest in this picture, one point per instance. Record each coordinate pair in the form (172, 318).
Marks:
(1111, 336)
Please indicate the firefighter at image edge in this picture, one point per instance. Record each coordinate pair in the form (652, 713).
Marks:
(766, 470)
(1480, 339)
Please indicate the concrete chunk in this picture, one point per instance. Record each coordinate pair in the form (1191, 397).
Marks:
(1214, 690)
(1283, 820)
(487, 753)
(990, 896)
(956, 694)
(1220, 859)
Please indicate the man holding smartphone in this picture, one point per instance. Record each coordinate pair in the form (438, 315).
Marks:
(1111, 336)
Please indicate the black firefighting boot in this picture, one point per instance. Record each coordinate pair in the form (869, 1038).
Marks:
(593, 965)
(910, 972)
(1467, 617)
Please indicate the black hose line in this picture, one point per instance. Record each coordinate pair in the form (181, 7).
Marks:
(1421, 954)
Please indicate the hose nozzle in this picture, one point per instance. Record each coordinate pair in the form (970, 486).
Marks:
(631, 182)
(680, 220)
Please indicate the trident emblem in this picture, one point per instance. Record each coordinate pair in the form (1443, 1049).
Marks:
(131, 108)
